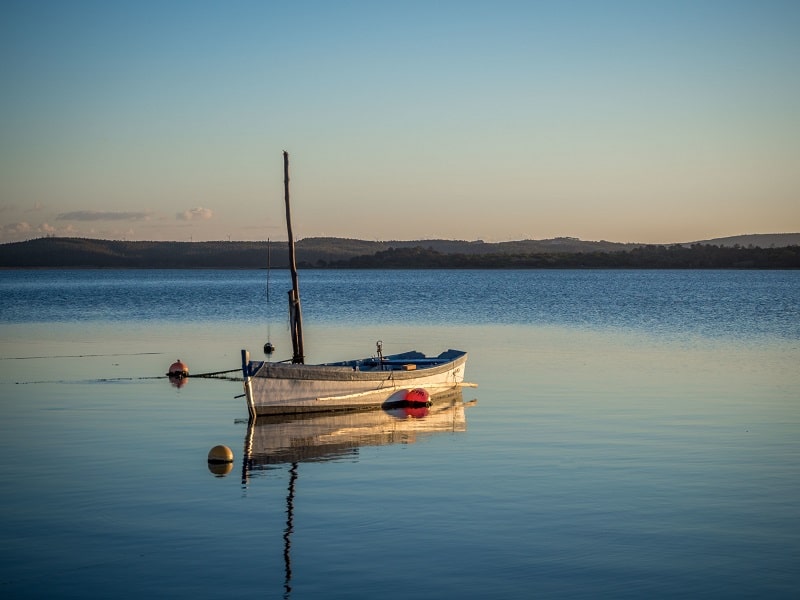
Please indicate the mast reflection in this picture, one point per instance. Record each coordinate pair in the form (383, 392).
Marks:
(287, 533)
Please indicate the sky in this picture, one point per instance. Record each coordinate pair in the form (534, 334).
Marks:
(630, 121)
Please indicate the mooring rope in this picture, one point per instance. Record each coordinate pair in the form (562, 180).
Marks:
(212, 375)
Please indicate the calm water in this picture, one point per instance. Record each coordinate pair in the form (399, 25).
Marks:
(634, 434)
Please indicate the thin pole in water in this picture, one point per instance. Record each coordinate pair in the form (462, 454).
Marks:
(268, 347)
(269, 265)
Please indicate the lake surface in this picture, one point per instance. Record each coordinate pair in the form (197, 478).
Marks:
(633, 434)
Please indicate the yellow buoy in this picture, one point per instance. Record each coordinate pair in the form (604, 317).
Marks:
(220, 454)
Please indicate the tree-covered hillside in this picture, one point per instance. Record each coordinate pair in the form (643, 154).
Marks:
(343, 253)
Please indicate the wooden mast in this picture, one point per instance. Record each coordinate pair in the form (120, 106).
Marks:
(295, 314)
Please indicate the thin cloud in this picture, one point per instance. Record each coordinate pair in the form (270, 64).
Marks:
(103, 215)
(197, 213)
(21, 227)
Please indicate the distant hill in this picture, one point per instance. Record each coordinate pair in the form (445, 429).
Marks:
(564, 252)
(88, 253)
(80, 252)
(757, 240)
(328, 249)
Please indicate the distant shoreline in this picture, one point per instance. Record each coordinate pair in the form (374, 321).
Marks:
(337, 253)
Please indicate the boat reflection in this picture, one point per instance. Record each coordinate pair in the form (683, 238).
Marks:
(273, 441)
(287, 439)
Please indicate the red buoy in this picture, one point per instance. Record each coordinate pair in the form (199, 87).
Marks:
(412, 403)
(178, 369)
(417, 396)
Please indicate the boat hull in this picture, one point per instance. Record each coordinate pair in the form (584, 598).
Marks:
(282, 388)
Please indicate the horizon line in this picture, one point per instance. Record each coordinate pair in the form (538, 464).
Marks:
(328, 237)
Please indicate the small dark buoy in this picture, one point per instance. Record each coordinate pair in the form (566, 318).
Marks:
(269, 348)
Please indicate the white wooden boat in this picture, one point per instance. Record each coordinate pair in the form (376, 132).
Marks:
(280, 388)
(287, 387)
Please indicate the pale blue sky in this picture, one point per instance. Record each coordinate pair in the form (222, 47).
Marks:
(642, 121)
